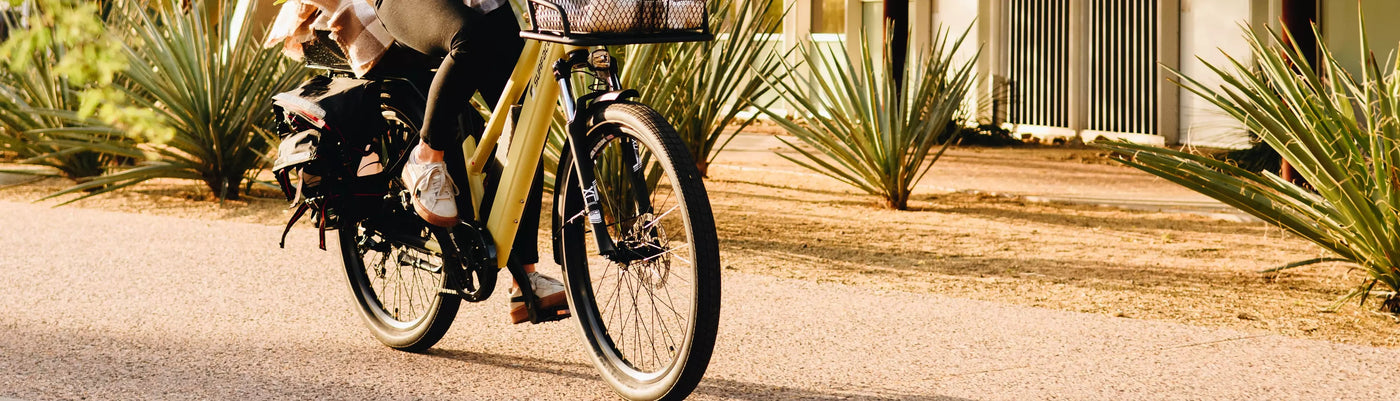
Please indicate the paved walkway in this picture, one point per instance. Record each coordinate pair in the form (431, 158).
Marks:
(1028, 172)
(103, 305)
(7, 179)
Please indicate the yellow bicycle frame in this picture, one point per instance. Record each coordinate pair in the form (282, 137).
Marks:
(526, 142)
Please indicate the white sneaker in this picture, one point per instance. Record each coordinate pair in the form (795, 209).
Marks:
(550, 293)
(434, 194)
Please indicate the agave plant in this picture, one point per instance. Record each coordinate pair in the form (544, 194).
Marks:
(701, 87)
(866, 131)
(210, 86)
(1341, 133)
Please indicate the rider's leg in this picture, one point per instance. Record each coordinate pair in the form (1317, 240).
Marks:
(438, 28)
(479, 54)
(526, 254)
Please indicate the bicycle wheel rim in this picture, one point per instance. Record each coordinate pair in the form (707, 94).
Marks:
(398, 297)
(618, 319)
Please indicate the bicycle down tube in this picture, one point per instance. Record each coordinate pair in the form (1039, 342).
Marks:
(526, 145)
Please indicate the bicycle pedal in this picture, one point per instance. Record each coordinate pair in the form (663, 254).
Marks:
(447, 292)
(521, 314)
(554, 315)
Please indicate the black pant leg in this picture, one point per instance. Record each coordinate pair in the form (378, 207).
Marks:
(479, 53)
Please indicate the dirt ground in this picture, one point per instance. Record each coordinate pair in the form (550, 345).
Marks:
(1132, 264)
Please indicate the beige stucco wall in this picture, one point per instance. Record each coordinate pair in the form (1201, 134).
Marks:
(954, 16)
(1211, 31)
(1341, 30)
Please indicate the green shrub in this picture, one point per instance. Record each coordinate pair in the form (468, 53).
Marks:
(55, 89)
(866, 131)
(211, 88)
(1341, 134)
(33, 124)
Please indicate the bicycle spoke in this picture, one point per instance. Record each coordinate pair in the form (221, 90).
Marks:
(671, 306)
(658, 218)
(671, 252)
(405, 281)
(636, 317)
(647, 328)
(601, 281)
(656, 316)
(650, 299)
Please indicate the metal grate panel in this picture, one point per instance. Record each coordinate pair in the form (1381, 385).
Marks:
(1038, 62)
(1122, 75)
(619, 16)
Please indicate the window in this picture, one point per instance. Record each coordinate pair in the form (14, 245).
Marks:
(828, 16)
(775, 11)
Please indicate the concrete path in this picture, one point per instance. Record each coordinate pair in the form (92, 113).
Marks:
(8, 179)
(1025, 172)
(100, 305)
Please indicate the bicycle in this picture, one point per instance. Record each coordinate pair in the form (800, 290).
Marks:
(632, 225)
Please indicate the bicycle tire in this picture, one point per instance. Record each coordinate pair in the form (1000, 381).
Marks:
(607, 337)
(425, 323)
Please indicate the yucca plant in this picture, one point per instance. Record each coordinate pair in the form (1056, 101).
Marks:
(210, 87)
(1342, 134)
(701, 87)
(866, 131)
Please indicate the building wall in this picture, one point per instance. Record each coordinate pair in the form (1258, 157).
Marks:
(1211, 30)
(953, 17)
(1341, 31)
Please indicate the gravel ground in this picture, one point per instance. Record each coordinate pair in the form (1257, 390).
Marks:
(103, 305)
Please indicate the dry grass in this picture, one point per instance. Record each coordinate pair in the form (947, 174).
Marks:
(1147, 265)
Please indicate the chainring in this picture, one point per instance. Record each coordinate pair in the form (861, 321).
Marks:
(474, 278)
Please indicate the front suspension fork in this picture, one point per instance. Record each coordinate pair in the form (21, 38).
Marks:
(603, 65)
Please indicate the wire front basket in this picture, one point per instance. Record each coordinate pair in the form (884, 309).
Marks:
(612, 22)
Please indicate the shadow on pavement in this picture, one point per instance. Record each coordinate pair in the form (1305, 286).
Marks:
(724, 388)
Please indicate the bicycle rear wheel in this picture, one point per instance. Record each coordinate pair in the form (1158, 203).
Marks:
(395, 266)
(396, 285)
(649, 311)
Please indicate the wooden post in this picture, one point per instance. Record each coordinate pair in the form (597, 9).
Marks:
(1298, 17)
(897, 22)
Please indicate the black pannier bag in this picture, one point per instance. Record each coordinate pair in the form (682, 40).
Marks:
(325, 163)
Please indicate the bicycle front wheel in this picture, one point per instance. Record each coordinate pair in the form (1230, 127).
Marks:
(649, 310)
